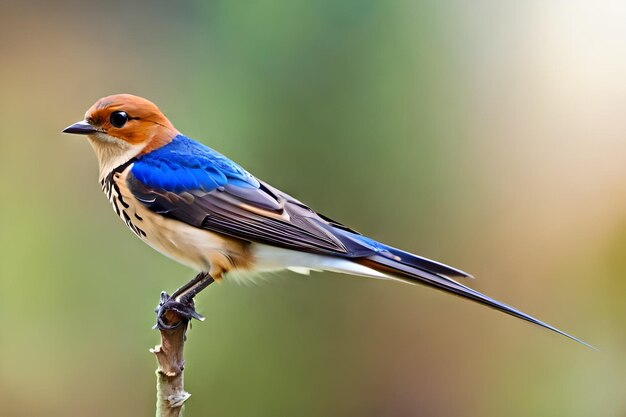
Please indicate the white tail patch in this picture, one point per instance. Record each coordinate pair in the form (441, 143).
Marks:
(300, 270)
(271, 258)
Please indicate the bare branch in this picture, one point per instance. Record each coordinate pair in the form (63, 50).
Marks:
(170, 374)
(173, 316)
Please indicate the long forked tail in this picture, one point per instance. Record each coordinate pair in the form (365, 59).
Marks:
(406, 267)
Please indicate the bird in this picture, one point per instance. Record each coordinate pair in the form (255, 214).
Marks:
(198, 207)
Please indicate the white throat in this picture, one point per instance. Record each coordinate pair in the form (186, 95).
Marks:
(112, 152)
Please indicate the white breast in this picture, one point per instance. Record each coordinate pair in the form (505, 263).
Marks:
(197, 248)
(186, 244)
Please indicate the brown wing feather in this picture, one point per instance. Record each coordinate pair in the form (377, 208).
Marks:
(267, 215)
(263, 214)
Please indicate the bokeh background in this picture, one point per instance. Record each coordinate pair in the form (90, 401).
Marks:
(490, 135)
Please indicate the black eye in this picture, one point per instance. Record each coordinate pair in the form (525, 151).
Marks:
(118, 118)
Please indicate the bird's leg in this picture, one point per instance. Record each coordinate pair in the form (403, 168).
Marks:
(181, 302)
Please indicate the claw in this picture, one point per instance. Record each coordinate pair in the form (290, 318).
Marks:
(181, 302)
(184, 308)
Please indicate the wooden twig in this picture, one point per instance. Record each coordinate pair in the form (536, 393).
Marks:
(173, 316)
(171, 393)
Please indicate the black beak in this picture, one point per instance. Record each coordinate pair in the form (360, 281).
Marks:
(80, 128)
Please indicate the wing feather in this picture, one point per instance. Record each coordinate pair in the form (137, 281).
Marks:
(250, 215)
(192, 183)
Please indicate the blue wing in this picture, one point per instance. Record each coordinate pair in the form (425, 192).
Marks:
(184, 165)
(194, 184)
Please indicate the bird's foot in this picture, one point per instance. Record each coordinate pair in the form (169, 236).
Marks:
(179, 307)
(172, 311)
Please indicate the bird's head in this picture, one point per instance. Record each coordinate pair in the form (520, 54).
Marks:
(121, 127)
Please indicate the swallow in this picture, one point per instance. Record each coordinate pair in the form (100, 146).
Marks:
(198, 207)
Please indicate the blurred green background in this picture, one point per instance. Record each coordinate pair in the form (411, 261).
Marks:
(489, 135)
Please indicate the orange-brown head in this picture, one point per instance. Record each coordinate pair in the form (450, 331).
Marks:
(121, 127)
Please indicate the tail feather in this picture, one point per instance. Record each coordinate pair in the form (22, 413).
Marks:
(385, 262)
(409, 259)
(408, 272)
